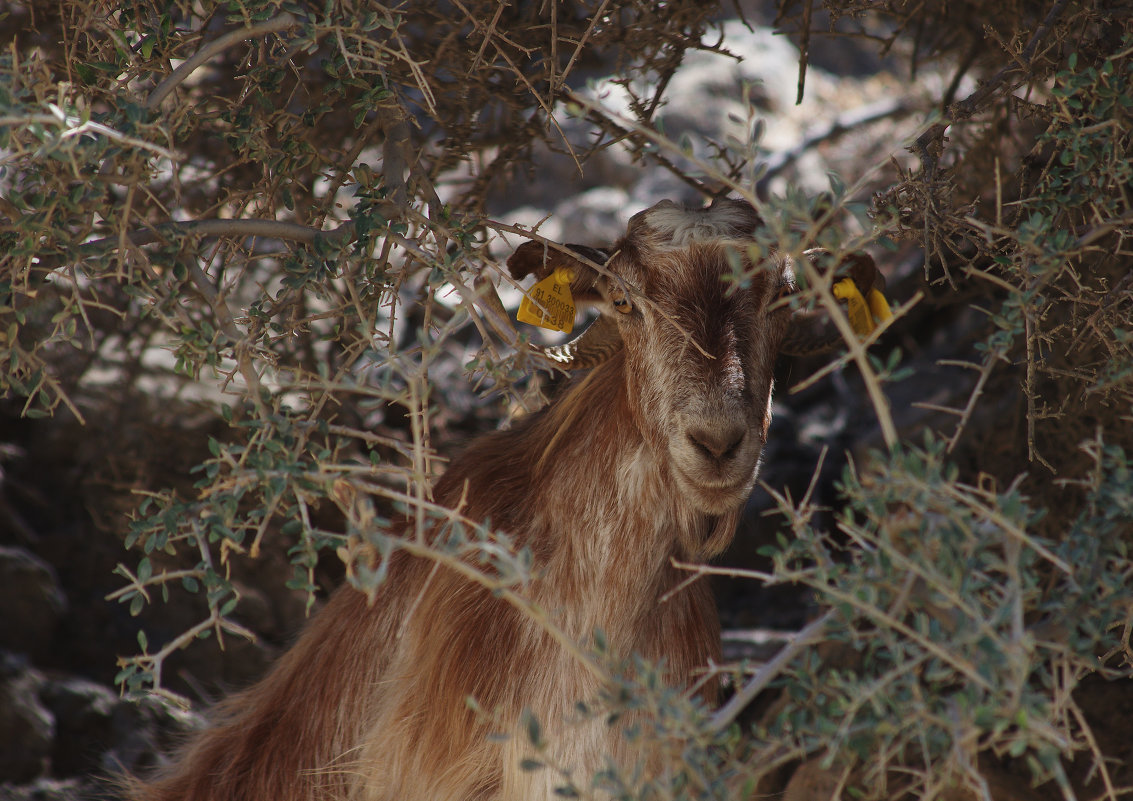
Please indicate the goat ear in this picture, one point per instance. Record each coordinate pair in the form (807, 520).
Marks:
(601, 338)
(813, 333)
(540, 260)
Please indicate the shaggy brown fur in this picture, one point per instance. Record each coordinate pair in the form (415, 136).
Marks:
(646, 458)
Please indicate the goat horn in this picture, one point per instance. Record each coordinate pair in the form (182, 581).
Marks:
(596, 344)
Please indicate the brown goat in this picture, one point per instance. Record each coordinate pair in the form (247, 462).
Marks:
(647, 457)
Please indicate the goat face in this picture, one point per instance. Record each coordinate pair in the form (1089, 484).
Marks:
(699, 350)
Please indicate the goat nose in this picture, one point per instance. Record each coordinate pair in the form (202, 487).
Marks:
(717, 443)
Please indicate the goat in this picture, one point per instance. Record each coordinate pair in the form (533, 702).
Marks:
(645, 458)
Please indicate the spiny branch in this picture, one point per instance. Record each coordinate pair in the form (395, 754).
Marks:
(812, 633)
(162, 90)
(928, 145)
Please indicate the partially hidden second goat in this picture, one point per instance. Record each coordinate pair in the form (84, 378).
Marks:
(646, 457)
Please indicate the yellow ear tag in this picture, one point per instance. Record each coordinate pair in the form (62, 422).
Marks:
(864, 316)
(548, 304)
(856, 307)
(879, 306)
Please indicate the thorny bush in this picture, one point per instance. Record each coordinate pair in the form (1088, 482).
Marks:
(276, 212)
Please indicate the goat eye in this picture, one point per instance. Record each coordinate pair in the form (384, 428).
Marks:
(620, 300)
(784, 292)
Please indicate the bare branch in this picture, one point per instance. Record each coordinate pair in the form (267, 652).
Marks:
(218, 45)
(808, 636)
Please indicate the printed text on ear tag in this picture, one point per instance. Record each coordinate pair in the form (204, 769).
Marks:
(548, 304)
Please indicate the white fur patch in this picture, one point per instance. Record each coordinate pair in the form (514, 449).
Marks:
(685, 226)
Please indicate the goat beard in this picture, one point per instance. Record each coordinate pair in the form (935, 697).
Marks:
(719, 532)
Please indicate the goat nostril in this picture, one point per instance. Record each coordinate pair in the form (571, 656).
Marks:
(717, 445)
(699, 445)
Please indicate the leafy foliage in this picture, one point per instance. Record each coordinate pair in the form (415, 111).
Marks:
(289, 232)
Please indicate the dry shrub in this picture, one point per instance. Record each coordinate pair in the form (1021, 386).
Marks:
(289, 234)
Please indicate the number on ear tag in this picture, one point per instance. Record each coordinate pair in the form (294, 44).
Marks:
(548, 304)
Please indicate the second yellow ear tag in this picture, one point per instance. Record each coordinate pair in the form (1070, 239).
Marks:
(879, 306)
(548, 304)
(861, 313)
